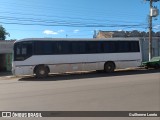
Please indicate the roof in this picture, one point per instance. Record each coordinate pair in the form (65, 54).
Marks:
(75, 39)
(134, 33)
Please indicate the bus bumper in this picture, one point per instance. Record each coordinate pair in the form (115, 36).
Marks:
(25, 70)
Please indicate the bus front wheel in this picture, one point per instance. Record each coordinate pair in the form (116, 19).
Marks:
(41, 71)
(109, 67)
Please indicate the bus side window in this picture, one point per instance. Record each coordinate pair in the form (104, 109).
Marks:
(27, 49)
(24, 49)
(47, 48)
(109, 47)
(134, 46)
(123, 46)
(18, 50)
(93, 47)
(62, 47)
(43, 47)
(78, 47)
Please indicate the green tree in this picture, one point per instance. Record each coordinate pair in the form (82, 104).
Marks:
(3, 33)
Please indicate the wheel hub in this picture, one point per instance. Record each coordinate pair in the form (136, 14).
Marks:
(42, 72)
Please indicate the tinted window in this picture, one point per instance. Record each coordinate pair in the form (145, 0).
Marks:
(93, 47)
(123, 46)
(134, 46)
(64, 47)
(83, 47)
(23, 50)
(109, 47)
(52, 47)
(45, 47)
(17, 49)
(27, 49)
(78, 47)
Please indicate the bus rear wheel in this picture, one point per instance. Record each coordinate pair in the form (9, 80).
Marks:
(41, 71)
(109, 67)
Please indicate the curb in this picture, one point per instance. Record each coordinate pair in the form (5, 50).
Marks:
(6, 75)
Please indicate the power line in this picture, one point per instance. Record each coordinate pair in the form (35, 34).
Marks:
(59, 17)
(71, 24)
(41, 22)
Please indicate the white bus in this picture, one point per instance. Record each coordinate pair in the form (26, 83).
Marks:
(41, 56)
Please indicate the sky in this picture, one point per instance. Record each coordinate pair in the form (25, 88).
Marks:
(73, 18)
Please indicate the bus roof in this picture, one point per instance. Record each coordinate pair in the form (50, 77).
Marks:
(78, 39)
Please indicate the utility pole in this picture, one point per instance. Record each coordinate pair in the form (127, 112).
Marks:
(150, 32)
(153, 13)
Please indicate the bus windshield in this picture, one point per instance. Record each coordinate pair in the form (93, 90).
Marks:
(23, 50)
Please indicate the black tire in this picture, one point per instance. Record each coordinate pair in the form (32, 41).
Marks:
(109, 67)
(41, 71)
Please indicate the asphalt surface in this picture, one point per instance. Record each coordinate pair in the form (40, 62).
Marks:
(133, 90)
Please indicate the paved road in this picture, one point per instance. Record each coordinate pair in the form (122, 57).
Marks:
(135, 90)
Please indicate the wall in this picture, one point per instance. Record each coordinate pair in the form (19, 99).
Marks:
(6, 50)
(8, 63)
(145, 47)
(6, 46)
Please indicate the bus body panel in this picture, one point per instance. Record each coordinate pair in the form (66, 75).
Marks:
(83, 62)
(23, 70)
